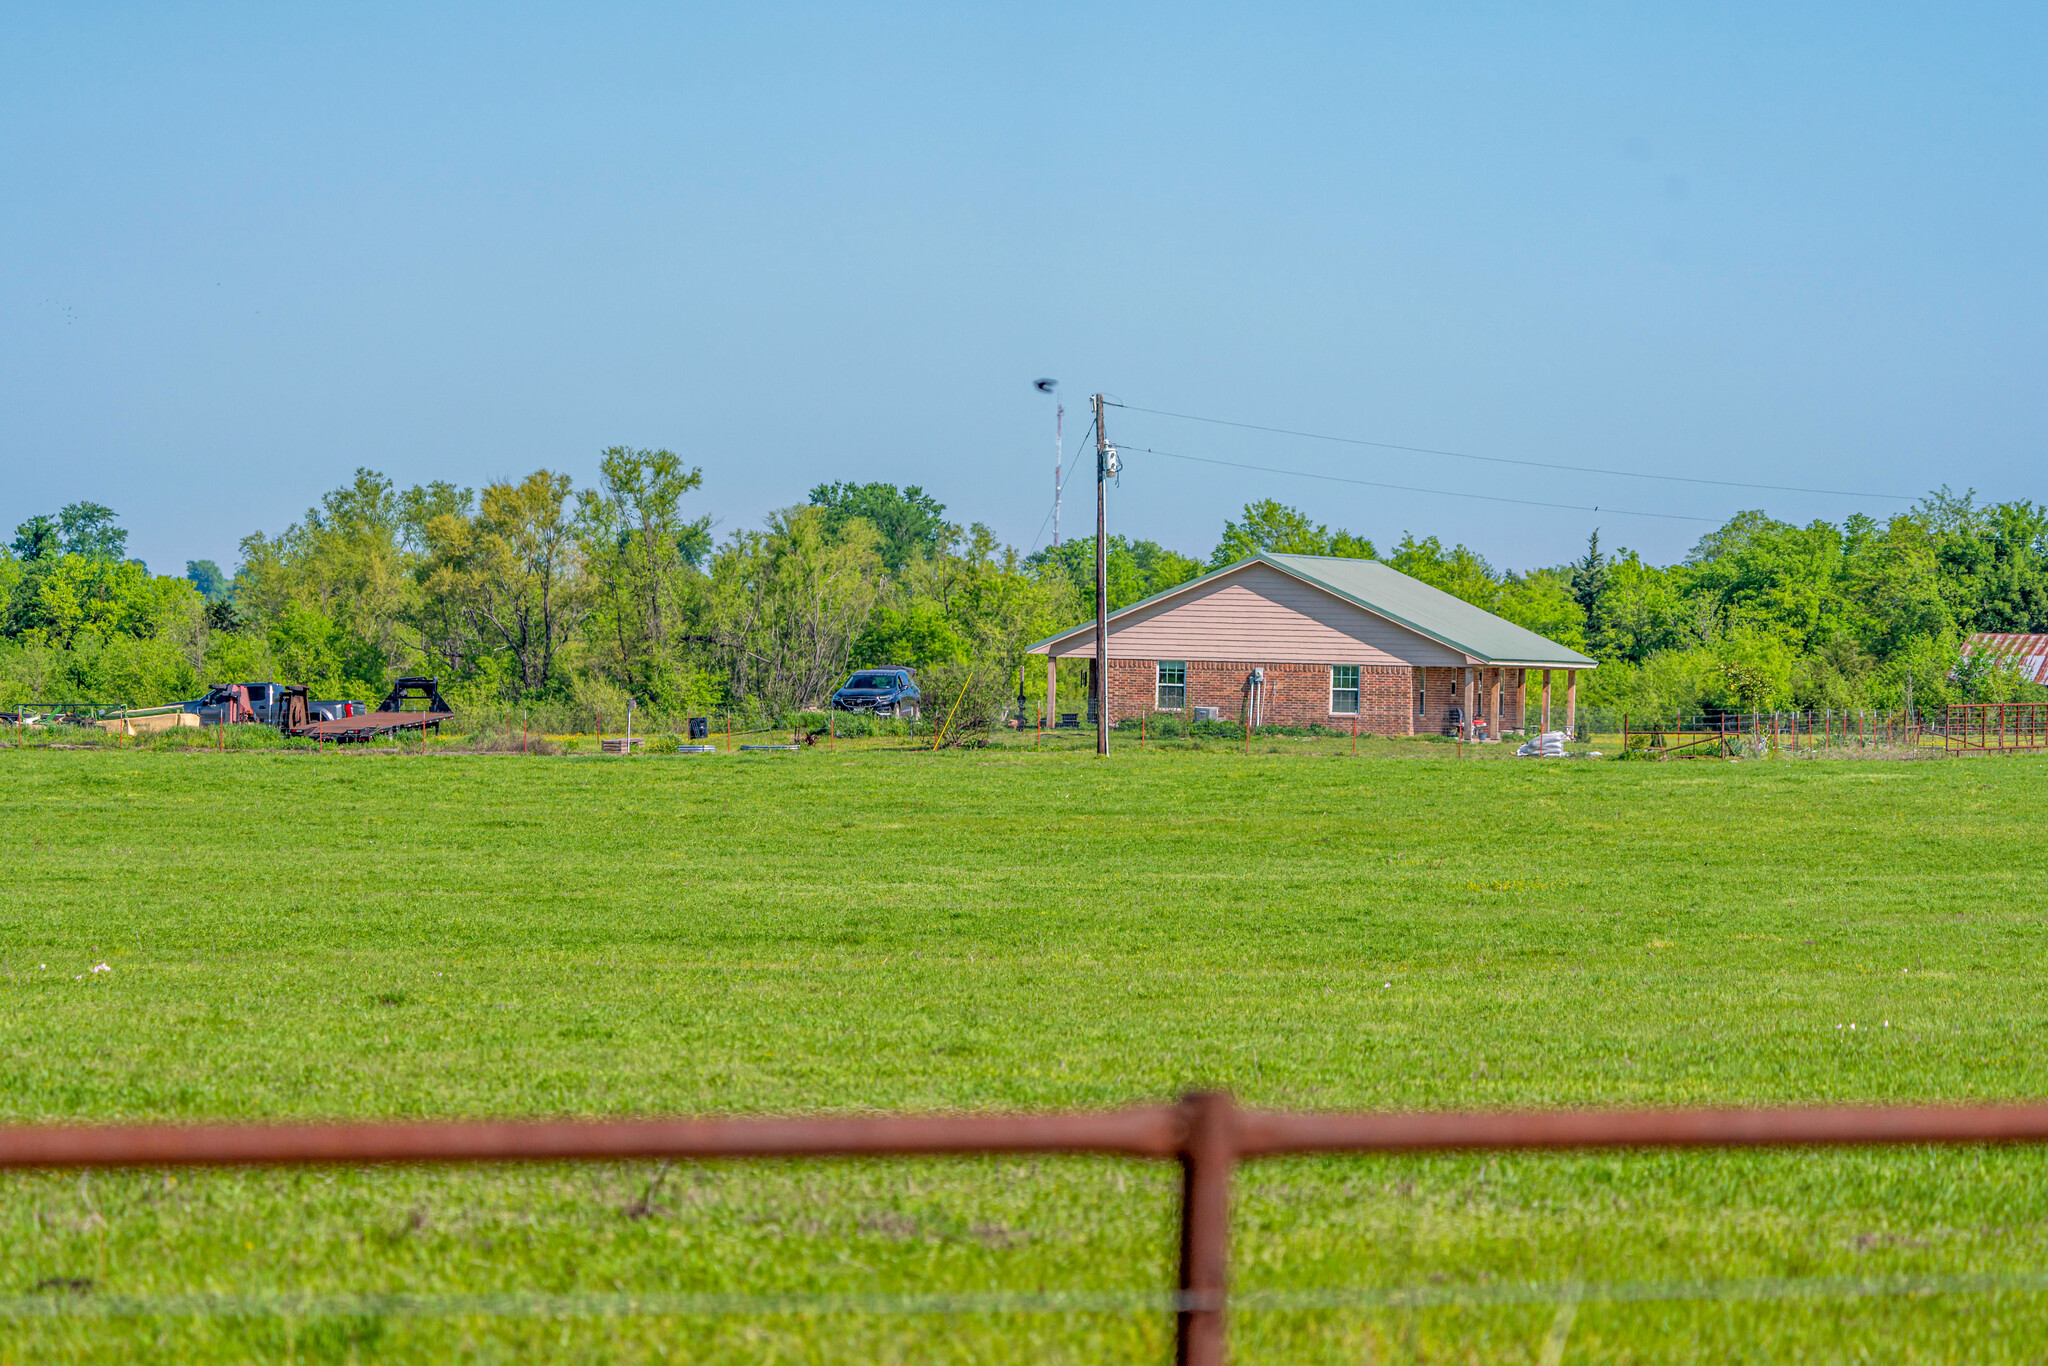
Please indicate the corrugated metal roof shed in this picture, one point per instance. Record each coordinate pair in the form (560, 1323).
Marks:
(2030, 650)
(1388, 592)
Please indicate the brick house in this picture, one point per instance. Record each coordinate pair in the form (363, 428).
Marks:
(1308, 639)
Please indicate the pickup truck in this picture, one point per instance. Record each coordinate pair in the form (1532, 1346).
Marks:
(263, 703)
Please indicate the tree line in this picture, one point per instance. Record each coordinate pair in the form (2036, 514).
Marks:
(536, 592)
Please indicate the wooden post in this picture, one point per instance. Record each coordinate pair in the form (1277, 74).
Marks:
(1101, 583)
(1468, 702)
(1546, 701)
(1052, 688)
(1571, 703)
(1498, 725)
(1206, 1157)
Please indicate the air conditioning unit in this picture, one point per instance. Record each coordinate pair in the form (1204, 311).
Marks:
(1208, 713)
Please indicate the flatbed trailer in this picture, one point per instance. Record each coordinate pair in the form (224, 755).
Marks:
(390, 718)
(375, 726)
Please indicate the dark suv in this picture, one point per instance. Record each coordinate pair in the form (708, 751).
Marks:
(885, 692)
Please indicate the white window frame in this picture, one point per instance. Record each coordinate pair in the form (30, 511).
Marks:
(1357, 689)
(1160, 685)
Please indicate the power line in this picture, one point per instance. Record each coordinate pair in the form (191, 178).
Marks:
(1411, 488)
(1505, 460)
(1071, 462)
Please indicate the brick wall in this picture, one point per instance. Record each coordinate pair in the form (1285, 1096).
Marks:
(1299, 695)
(1440, 694)
(1295, 694)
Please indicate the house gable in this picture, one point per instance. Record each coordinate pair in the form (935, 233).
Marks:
(1257, 612)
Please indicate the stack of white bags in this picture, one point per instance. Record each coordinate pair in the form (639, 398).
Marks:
(1549, 745)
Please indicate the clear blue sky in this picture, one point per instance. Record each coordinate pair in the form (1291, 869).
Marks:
(245, 249)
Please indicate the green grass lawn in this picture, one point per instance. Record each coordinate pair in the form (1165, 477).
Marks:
(358, 933)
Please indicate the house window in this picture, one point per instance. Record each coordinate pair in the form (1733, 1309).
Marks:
(1421, 703)
(1344, 689)
(1173, 684)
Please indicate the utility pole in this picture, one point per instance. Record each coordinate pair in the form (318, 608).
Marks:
(1105, 464)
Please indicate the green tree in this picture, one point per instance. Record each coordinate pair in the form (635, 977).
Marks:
(1643, 610)
(205, 576)
(787, 603)
(356, 561)
(1272, 526)
(907, 521)
(1588, 584)
(918, 634)
(513, 573)
(637, 548)
(88, 529)
(1135, 570)
(64, 597)
(1542, 601)
(1459, 571)
(36, 538)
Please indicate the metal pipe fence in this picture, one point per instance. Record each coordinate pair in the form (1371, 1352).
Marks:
(1994, 727)
(1756, 734)
(1206, 1133)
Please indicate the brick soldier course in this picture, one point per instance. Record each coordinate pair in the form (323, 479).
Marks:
(1306, 623)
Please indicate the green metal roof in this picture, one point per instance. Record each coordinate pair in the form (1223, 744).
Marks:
(1387, 592)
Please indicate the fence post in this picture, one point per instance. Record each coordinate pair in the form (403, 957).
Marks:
(1207, 1153)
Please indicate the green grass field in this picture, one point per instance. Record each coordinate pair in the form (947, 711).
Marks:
(378, 934)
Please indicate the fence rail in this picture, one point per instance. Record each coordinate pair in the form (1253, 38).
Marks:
(1736, 734)
(1206, 1133)
(1994, 727)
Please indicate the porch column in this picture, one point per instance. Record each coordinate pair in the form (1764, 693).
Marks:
(1546, 701)
(1497, 725)
(1052, 690)
(1468, 698)
(1571, 703)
